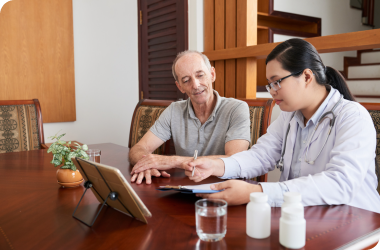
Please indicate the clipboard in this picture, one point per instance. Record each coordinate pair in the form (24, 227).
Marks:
(110, 188)
(193, 189)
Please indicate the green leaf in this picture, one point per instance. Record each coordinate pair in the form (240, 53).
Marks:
(58, 157)
(74, 168)
(84, 154)
(69, 163)
(56, 162)
(71, 155)
(65, 167)
(62, 135)
(85, 147)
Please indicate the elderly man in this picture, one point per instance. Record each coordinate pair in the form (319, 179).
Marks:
(215, 126)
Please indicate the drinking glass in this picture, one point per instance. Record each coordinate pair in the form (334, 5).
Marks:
(94, 155)
(211, 219)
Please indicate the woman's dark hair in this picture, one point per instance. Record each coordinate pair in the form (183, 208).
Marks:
(295, 55)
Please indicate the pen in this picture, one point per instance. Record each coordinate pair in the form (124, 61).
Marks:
(195, 157)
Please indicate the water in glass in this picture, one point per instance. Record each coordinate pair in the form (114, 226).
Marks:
(211, 219)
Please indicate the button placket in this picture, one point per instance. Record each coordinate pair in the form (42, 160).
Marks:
(201, 135)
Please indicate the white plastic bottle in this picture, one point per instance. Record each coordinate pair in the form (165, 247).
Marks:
(292, 199)
(258, 216)
(292, 228)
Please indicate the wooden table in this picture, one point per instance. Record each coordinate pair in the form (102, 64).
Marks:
(35, 213)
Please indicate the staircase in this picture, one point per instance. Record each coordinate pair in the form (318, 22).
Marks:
(363, 75)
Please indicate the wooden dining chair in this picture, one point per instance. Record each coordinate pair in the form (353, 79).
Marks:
(148, 111)
(374, 111)
(21, 126)
(260, 112)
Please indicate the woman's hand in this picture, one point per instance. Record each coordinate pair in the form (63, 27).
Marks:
(204, 167)
(235, 192)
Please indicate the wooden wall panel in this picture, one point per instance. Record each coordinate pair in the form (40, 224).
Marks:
(246, 36)
(208, 29)
(220, 44)
(263, 5)
(234, 24)
(37, 56)
(262, 38)
(230, 66)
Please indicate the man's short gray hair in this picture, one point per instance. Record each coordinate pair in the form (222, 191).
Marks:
(186, 52)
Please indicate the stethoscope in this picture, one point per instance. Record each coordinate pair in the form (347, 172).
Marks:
(280, 163)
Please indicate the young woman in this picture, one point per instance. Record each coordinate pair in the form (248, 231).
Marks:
(323, 141)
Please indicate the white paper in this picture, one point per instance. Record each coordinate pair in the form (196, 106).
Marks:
(201, 187)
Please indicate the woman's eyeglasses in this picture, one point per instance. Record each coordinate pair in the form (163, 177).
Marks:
(276, 84)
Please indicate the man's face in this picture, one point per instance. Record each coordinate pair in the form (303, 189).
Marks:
(194, 78)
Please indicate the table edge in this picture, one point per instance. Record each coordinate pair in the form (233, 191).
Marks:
(361, 238)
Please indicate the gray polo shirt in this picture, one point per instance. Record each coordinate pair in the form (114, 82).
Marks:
(228, 121)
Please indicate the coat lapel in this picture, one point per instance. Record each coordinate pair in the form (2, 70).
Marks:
(290, 142)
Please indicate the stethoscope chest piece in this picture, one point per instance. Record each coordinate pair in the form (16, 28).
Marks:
(280, 164)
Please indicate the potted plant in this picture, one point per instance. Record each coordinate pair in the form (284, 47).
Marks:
(67, 174)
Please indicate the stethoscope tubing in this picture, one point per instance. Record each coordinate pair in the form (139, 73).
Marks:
(280, 163)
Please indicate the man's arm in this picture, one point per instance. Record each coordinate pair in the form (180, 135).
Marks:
(145, 146)
(230, 148)
(141, 155)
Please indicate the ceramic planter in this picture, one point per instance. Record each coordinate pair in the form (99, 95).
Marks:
(69, 178)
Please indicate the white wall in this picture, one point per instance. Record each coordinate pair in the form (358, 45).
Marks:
(337, 17)
(106, 72)
(195, 8)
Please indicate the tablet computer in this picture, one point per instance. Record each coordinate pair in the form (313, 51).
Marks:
(106, 179)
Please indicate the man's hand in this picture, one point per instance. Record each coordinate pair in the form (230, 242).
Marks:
(148, 176)
(152, 161)
(235, 192)
(204, 167)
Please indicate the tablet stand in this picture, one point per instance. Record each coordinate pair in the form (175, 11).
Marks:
(112, 195)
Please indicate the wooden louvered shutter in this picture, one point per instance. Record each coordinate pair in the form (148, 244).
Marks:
(162, 35)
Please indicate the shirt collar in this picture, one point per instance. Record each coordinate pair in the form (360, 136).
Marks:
(315, 118)
(191, 110)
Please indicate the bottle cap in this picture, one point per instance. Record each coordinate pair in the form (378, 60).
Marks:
(292, 197)
(258, 197)
(292, 213)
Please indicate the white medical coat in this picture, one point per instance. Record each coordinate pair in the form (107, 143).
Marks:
(344, 172)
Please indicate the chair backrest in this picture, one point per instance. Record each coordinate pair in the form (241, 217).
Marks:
(374, 111)
(145, 114)
(21, 125)
(260, 112)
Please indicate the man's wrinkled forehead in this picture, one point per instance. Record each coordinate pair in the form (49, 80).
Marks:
(189, 64)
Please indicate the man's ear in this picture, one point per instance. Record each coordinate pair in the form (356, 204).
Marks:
(179, 87)
(213, 74)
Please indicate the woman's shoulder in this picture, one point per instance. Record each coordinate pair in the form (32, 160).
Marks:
(353, 109)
